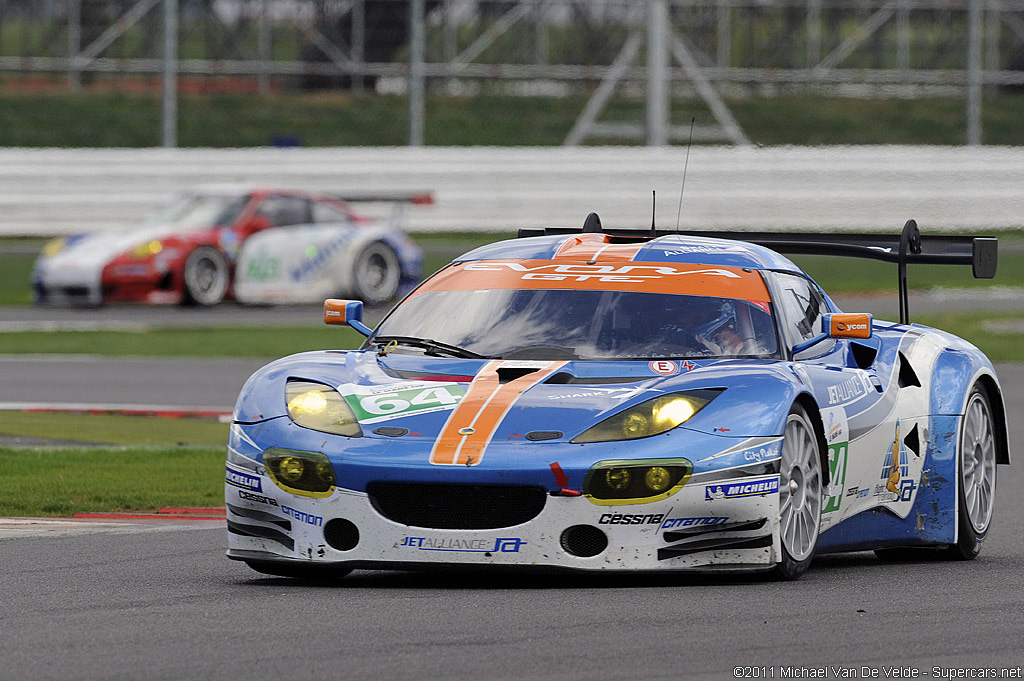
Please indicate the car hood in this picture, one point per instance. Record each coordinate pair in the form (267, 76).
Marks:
(523, 399)
(99, 247)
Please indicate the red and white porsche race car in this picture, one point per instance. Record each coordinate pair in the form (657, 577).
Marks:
(187, 252)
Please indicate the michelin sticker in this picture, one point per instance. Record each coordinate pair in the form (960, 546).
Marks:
(372, 404)
(747, 488)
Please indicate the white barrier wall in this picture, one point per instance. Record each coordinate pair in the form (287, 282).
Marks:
(53, 191)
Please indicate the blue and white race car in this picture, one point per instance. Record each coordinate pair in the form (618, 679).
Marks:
(595, 400)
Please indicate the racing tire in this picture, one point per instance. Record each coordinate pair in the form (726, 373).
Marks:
(976, 476)
(376, 274)
(310, 572)
(205, 277)
(800, 495)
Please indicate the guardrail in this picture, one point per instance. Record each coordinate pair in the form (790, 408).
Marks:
(61, 191)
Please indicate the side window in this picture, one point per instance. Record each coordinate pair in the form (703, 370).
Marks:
(284, 210)
(801, 305)
(326, 212)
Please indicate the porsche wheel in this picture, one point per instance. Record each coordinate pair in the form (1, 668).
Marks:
(313, 572)
(976, 471)
(800, 490)
(376, 274)
(205, 277)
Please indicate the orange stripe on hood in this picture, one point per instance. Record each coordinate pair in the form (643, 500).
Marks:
(596, 247)
(482, 410)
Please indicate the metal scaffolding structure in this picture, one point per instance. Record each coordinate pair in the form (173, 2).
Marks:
(700, 48)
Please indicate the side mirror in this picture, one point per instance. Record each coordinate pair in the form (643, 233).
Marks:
(847, 325)
(346, 313)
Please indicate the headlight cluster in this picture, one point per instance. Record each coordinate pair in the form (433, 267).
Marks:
(320, 407)
(635, 481)
(308, 474)
(55, 246)
(652, 417)
(150, 248)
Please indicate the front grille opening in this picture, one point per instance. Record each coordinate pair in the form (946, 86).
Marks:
(456, 507)
(341, 534)
(584, 541)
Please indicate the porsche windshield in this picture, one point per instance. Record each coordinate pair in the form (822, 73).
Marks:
(581, 324)
(199, 211)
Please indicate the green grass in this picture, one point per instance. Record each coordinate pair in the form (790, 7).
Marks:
(116, 429)
(999, 346)
(16, 278)
(60, 482)
(111, 119)
(270, 341)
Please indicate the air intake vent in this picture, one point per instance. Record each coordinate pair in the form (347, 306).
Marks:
(506, 374)
(456, 507)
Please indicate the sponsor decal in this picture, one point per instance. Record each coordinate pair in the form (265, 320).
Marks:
(847, 391)
(735, 490)
(258, 498)
(689, 366)
(896, 472)
(317, 257)
(664, 367)
(371, 405)
(863, 492)
(684, 250)
(302, 516)
(631, 519)
(499, 545)
(632, 273)
(693, 522)
(243, 480)
(482, 409)
(837, 438)
(263, 268)
(852, 492)
(611, 393)
(769, 453)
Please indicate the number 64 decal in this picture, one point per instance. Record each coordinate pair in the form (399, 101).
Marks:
(420, 399)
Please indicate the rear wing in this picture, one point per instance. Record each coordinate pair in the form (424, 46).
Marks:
(905, 248)
(413, 198)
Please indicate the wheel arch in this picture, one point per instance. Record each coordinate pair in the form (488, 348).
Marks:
(995, 396)
(806, 401)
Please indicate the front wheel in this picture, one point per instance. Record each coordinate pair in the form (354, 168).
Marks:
(800, 490)
(205, 277)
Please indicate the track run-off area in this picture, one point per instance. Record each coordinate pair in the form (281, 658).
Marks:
(160, 601)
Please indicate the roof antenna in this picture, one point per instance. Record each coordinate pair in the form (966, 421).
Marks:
(685, 165)
(654, 204)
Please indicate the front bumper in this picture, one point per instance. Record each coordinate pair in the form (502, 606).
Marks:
(735, 527)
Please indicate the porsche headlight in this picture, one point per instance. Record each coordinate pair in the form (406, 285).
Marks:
(148, 249)
(652, 417)
(54, 246)
(320, 407)
(308, 474)
(611, 483)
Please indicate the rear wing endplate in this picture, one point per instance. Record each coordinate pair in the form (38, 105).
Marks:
(903, 249)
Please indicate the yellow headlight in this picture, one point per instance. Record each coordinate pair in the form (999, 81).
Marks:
(54, 246)
(648, 418)
(307, 474)
(320, 407)
(641, 481)
(657, 479)
(147, 249)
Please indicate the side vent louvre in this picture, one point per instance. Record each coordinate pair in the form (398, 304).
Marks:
(913, 441)
(863, 355)
(512, 373)
(908, 377)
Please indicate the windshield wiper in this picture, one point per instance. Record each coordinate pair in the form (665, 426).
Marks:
(432, 346)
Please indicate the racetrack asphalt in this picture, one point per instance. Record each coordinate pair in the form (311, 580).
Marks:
(168, 605)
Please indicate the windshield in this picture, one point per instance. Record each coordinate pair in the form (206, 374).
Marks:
(199, 211)
(569, 323)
